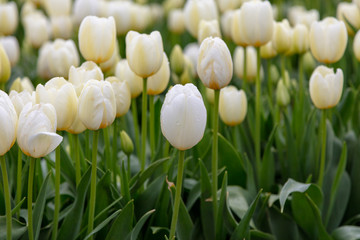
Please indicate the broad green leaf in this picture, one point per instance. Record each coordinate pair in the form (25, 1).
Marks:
(122, 225)
(289, 187)
(256, 234)
(346, 233)
(267, 174)
(184, 226)
(135, 232)
(282, 226)
(124, 183)
(238, 200)
(18, 229)
(219, 231)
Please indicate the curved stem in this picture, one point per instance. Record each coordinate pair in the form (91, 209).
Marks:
(77, 159)
(143, 124)
(6, 196)
(18, 179)
(114, 149)
(93, 184)
(107, 146)
(323, 148)
(152, 125)
(30, 191)
(136, 125)
(57, 192)
(179, 181)
(257, 114)
(214, 161)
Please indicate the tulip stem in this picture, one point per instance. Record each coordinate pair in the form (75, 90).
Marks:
(2, 86)
(128, 167)
(114, 149)
(323, 148)
(136, 125)
(269, 80)
(214, 162)
(57, 192)
(107, 147)
(77, 159)
(152, 126)
(30, 193)
(179, 181)
(18, 179)
(7, 197)
(143, 124)
(244, 86)
(257, 114)
(166, 148)
(87, 144)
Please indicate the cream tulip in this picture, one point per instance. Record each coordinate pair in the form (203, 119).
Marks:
(83, 8)
(22, 84)
(268, 51)
(300, 39)
(9, 18)
(97, 38)
(42, 66)
(109, 65)
(250, 60)
(62, 95)
(256, 20)
(140, 17)
(97, 105)
(226, 21)
(349, 12)
(192, 52)
(299, 15)
(356, 45)
(57, 7)
(12, 49)
(5, 67)
(122, 95)
(123, 72)
(207, 29)
(282, 36)
(61, 27)
(214, 66)
(237, 31)
(20, 99)
(232, 105)
(121, 11)
(176, 21)
(37, 29)
(158, 82)
(282, 94)
(326, 87)
(226, 5)
(183, 116)
(36, 132)
(144, 53)
(328, 39)
(8, 123)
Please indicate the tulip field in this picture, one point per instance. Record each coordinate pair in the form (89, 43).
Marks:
(180, 119)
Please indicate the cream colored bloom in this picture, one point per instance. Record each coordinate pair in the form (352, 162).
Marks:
(268, 51)
(97, 105)
(121, 11)
(226, 5)
(22, 84)
(123, 72)
(183, 116)
(144, 52)
(192, 52)
(61, 94)
(122, 95)
(349, 12)
(109, 65)
(37, 29)
(9, 18)
(8, 123)
(251, 63)
(5, 67)
(328, 39)
(300, 39)
(282, 36)
(61, 26)
(232, 105)
(214, 66)
(97, 38)
(158, 82)
(12, 49)
(237, 31)
(356, 45)
(140, 17)
(299, 15)
(326, 87)
(208, 28)
(20, 99)
(226, 22)
(176, 21)
(42, 66)
(57, 7)
(83, 8)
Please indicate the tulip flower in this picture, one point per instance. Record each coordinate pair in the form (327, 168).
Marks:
(140, 17)
(356, 46)
(208, 28)
(192, 52)
(121, 11)
(109, 65)
(250, 66)
(183, 121)
(5, 68)
(232, 105)
(237, 30)
(97, 38)
(349, 12)
(37, 29)
(57, 7)
(12, 49)
(282, 94)
(20, 99)
(177, 60)
(61, 26)
(300, 39)
(9, 18)
(226, 5)
(282, 36)
(128, 147)
(176, 21)
(122, 95)
(299, 15)
(226, 21)
(328, 39)
(268, 51)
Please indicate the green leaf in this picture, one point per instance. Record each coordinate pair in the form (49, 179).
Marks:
(184, 225)
(123, 223)
(18, 206)
(135, 232)
(346, 233)
(238, 200)
(282, 226)
(289, 187)
(18, 229)
(219, 233)
(256, 234)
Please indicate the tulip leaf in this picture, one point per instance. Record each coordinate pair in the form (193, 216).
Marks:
(238, 200)
(18, 229)
(346, 233)
(219, 230)
(282, 226)
(135, 232)
(289, 187)
(122, 225)
(184, 226)
(67, 167)
(267, 174)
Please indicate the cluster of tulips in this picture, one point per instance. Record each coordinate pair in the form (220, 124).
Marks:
(94, 94)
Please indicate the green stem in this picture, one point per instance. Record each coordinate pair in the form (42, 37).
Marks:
(283, 67)
(93, 183)
(2, 86)
(18, 180)
(128, 167)
(114, 149)
(214, 161)
(107, 146)
(323, 148)
(30, 193)
(143, 124)
(179, 181)
(87, 144)
(77, 159)
(245, 71)
(257, 114)
(136, 125)
(57, 193)
(152, 125)
(269, 80)
(166, 148)
(7, 197)
(301, 81)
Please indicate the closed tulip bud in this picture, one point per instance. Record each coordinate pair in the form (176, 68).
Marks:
(299, 15)
(97, 105)
(12, 49)
(126, 143)
(62, 95)
(328, 39)
(250, 60)
(268, 51)
(8, 120)
(237, 31)
(42, 66)
(282, 94)
(226, 23)
(256, 20)
(27, 8)
(207, 29)
(183, 116)
(214, 66)
(197, 10)
(300, 39)
(232, 105)
(187, 75)
(5, 67)
(121, 11)
(356, 45)
(326, 87)
(274, 72)
(22, 84)
(9, 18)
(57, 7)
(177, 61)
(349, 13)
(140, 17)
(97, 38)
(36, 132)
(37, 29)
(20, 99)
(83, 8)
(78, 76)
(122, 95)
(158, 82)
(226, 5)
(61, 26)
(176, 21)
(309, 63)
(109, 65)
(123, 72)
(282, 36)
(192, 52)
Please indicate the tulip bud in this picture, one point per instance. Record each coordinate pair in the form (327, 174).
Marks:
(8, 120)
(300, 40)
(110, 64)
(251, 61)
(356, 45)
(309, 63)
(158, 82)
(9, 18)
(144, 53)
(83, 8)
(214, 66)
(268, 51)
(5, 68)
(232, 105)
(122, 95)
(57, 7)
(274, 72)
(209, 28)
(299, 15)
(183, 116)
(226, 5)
(37, 29)
(282, 94)
(176, 21)
(27, 8)
(226, 23)
(237, 31)
(20, 99)
(121, 11)
(140, 17)
(177, 60)
(123, 72)
(12, 49)
(326, 87)
(126, 143)
(169, 5)
(61, 26)
(349, 13)
(188, 73)
(192, 52)
(62, 95)
(282, 36)
(22, 84)
(328, 39)
(97, 105)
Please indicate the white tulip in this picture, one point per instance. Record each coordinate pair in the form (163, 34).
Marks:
(232, 105)
(251, 66)
(19, 100)
(37, 29)
(176, 21)
(12, 49)
(349, 12)
(122, 95)
(9, 18)
(123, 72)
(22, 84)
(57, 7)
(83, 8)
(158, 82)
(61, 26)
(8, 123)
